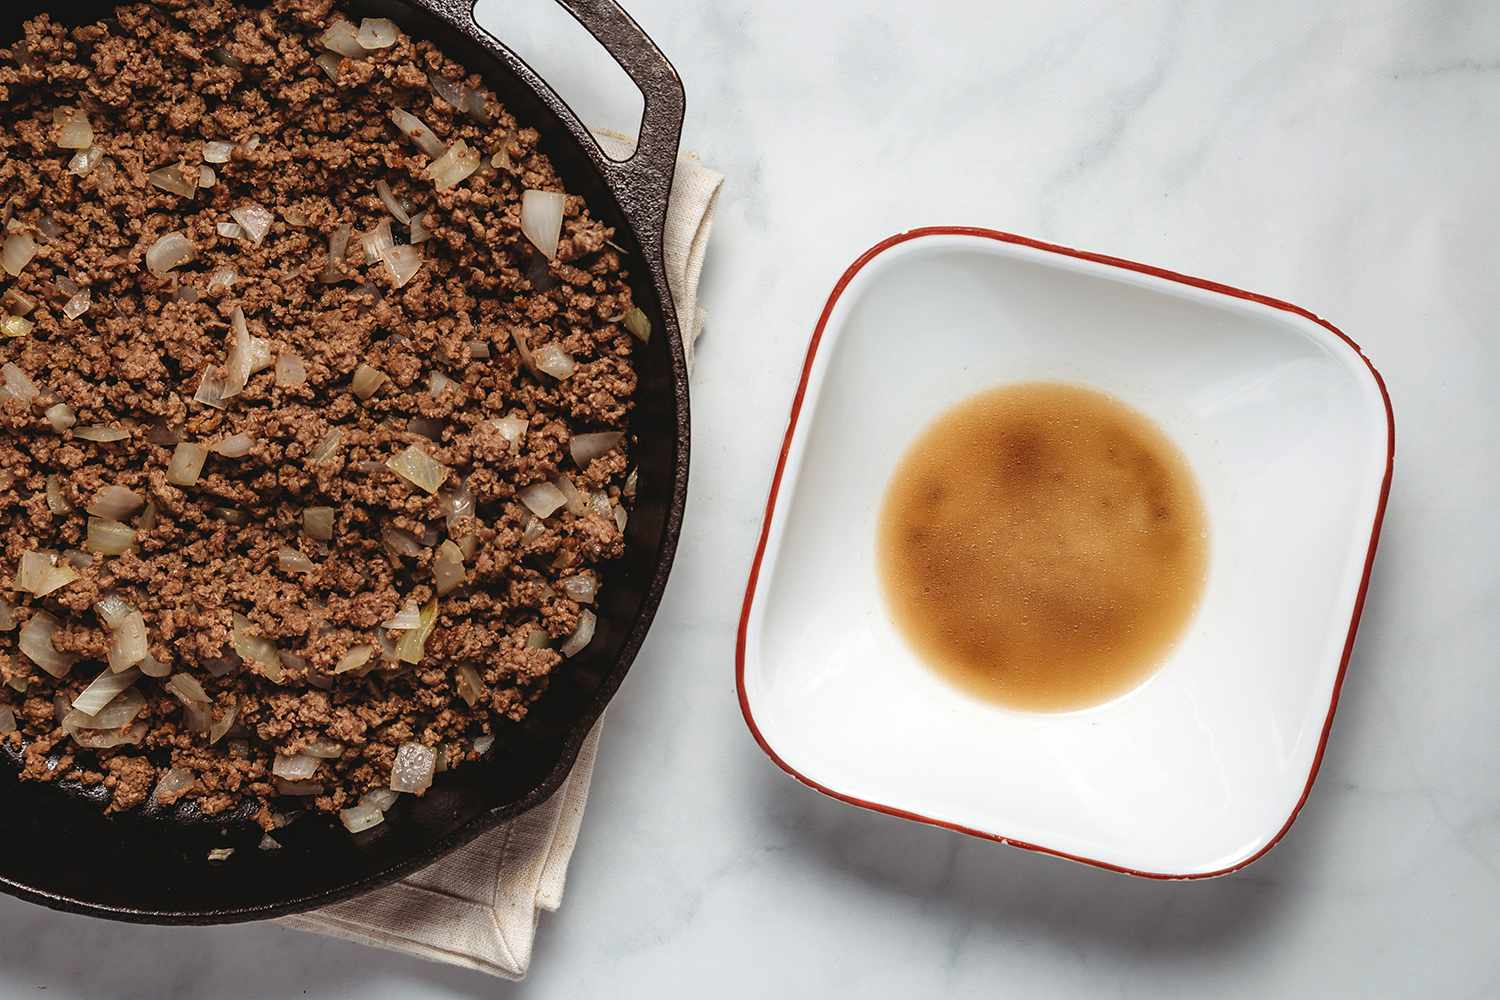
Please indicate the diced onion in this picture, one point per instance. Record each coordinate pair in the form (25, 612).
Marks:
(318, 523)
(388, 199)
(620, 519)
(100, 435)
(206, 176)
(574, 497)
(16, 326)
(77, 305)
(470, 686)
(403, 262)
(229, 230)
(421, 227)
(409, 617)
(582, 635)
(356, 657)
(418, 468)
(36, 644)
(343, 38)
(541, 498)
(116, 502)
(76, 131)
(127, 645)
(56, 502)
(401, 542)
(255, 648)
(102, 691)
(448, 568)
(19, 384)
(298, 767)
(152, 667)
(291, 372)
(413, 643)
(112, 609)
(120, 709)
(106, 739)
(377, 240)
(329, 62)
(292, 561)
(217, 729)
(541, 219)
(553, 360)
(328, 447)
(224, 278)
(586, 447)
(61, 416)
(513, 430)
(17, 253)
(84, 162)
(39, 573)
(178, 179)
(581, 588)
(377, 33)
(215, 151)
(359, 817)
(413, 769)
(173, 783)
(637, 323)
(234, 446)
(482, 744)
(109, 537)
(414, 129)
(456, 164)
(367, 381)
(168, 252)
(254, 219)
(187, 464)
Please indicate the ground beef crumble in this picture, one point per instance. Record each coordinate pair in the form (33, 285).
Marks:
(208, 570)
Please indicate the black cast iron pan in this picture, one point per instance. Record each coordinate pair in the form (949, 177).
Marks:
(60, 850)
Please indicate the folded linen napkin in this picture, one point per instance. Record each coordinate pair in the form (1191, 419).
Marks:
(478, 907)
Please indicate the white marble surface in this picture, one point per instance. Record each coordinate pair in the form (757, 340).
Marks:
(1341, 155)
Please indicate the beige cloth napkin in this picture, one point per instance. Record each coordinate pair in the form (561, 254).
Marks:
(478, 907)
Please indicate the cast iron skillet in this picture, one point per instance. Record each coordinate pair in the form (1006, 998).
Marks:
(59, 850)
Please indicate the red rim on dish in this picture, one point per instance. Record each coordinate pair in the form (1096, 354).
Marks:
(1158, 272)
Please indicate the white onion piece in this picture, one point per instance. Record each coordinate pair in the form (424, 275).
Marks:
(553, 360)
(343, 38)
(356, 657)
(187, 464)
(215, 151)
(224, 277)
(250, 145)
(413, 643)
(254, 219)
(575, 498)
(450, 92)
(56, 502)
(174, 782)
(295, 768)
(100, 435)
(418, 468)
(329, 63)
(237, 364)
(421, 228)
(586, 447)
(127, 645)
(409, 617)
(581, 588)
(414, 129)
(17, 253)
(359, 818)
(39, 573)
(77, 305)
(324, 749)
(377, 240)
(102, 691)
(412, 772)
(121, 709)
(403, 262)
(76, 131)
(187, 690)
(234, 446)
(229, 230)
(255, 648)
(210, 389)
(448, 568)
(380, 798)
(109, 537)
(291, 372)
(582, 635)
(367, 381)
(542, 499)
(61, 416)
(84, 162)
(401, 542)
(112, 609)
(377, 33)
(115, 502)
(317, 522)
(541, 219)
(168, 252)
(36, 643)
(388, 199)
(18, 383)
(292, 561)
(206, 176)
(638, 325)
(152, 667)
(326, 448)
(482, 744)
(513, 430)
(15, 326)
(437, 382)
(107, 739)
(176, 179)
(454, 166)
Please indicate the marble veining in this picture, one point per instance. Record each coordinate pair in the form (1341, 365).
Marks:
(1338, 155)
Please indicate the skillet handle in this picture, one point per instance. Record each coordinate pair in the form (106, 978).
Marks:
(643, 182)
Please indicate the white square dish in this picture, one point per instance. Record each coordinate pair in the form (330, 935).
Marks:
(1200, 769)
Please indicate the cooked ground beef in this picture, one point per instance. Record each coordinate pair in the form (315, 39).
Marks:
(216, 568)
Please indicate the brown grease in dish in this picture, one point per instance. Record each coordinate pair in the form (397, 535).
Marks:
(1042, 546)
